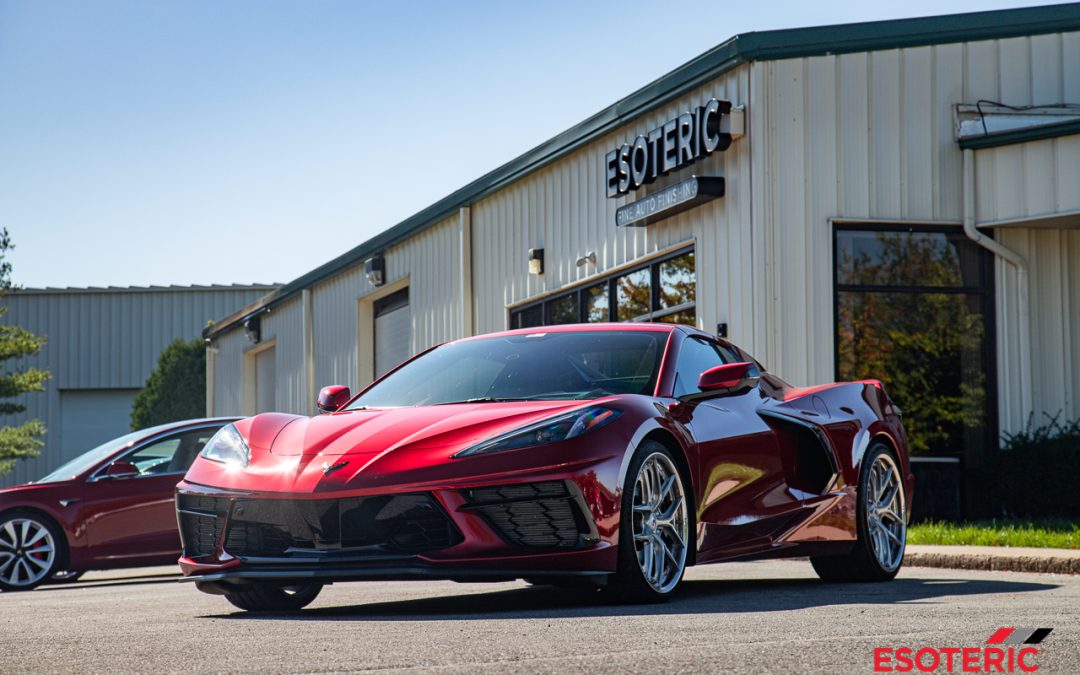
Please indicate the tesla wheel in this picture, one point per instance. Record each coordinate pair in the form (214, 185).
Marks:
(273, 598)
(30, 547)
(882, 524)
(654, 530)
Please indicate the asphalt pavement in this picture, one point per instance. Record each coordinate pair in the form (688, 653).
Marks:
(736, 617)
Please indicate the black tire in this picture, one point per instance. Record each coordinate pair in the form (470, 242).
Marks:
(263, 597)
(861, 564)
(629, 583)
(11, 553)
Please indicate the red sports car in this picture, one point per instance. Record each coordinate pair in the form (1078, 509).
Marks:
(110, 507)
(613, 455)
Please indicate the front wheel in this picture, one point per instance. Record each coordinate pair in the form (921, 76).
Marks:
(30, 547)
(262, 597)
(882, 524)
(654, 528)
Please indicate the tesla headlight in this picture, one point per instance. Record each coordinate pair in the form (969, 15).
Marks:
(559, 428)
(228, 447)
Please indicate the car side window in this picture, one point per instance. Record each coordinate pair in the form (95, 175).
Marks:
(172, 454)
(695, 357)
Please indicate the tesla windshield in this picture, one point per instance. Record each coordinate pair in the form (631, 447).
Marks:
(89, 459)
(525, 367)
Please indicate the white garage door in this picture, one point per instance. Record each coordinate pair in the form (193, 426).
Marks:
(89, 417)
(393, 330)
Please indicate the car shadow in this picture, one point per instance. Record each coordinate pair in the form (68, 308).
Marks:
(134, 580)
(696, 597)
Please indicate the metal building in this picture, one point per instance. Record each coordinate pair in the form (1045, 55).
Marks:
(898, 199)
(102, 345)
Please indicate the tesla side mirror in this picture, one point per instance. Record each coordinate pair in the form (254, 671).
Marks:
(729, 378)
(332, 398)
(121, 469)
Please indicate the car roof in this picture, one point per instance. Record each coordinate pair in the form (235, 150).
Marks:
(581, 328)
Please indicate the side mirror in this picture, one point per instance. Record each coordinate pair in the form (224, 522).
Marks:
(121, 469)
(728, 378)
(332, 398)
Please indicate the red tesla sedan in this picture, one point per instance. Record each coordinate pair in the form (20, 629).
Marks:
(110, 507)
(614, 455)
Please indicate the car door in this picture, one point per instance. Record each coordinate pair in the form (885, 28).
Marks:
(742, 494)
(133, 516)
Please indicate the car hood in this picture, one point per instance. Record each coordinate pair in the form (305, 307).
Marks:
(31, 491)
(380, 430)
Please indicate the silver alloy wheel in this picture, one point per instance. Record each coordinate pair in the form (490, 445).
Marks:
(27, 552)
(886, 521)
(660, 522)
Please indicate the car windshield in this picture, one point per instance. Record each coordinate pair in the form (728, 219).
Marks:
(525, 367)
(88, 459)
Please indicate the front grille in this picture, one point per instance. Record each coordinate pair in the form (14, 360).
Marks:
(201, 522)
(539, 515)
(388, 524)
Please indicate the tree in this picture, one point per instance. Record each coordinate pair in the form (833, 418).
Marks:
(176, 389)
(22, 441)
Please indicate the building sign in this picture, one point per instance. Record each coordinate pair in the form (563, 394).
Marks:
(677, 143)
(671, 200)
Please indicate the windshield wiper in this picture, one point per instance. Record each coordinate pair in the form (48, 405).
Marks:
(480, 399)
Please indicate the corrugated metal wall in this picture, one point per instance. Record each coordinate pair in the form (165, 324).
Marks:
(1028, 180)
(104, 339)
(430, 261)
(1053, 257)
(865, 136)
(563, 209)
(870, 136)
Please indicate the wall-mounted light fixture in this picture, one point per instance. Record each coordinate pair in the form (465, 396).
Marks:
(253, 329)
(589, 257)
(375, 270)
(536, 261)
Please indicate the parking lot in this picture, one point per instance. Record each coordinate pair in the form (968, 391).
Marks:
(751, 617)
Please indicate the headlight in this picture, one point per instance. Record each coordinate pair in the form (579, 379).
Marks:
(560, 428)
(228, 447)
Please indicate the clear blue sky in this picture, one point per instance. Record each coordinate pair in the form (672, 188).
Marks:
(194, 142)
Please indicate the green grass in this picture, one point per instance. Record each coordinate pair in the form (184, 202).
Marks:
(1049, 533)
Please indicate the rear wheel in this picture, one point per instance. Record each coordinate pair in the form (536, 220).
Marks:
(30, 550)
(264, 597)
(882, 524)
(654, 528)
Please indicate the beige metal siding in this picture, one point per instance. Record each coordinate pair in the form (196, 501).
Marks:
(1028, 180)
(870, 136)
(431, 262)
(104, 339)
(563, 209)
(1053, 257)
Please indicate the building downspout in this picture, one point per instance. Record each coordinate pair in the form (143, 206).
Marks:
(308, 311)
(1015, 259)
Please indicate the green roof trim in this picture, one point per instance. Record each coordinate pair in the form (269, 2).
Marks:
(743, 48)
(1033, 133)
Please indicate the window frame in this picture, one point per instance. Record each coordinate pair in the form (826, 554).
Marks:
(987, 299)
(99, 473)
(656, 313)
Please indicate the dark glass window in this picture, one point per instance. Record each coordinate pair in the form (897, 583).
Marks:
(597, 308)
(531, 366)
(695, 357)
(663, 290)
(914, 309)
(677, 282)
(563, 310)
(633, 295)
(529, 317)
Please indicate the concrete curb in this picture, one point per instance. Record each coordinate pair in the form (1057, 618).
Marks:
(991, 558)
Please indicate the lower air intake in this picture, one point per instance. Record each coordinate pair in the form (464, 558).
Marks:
(550, 514)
